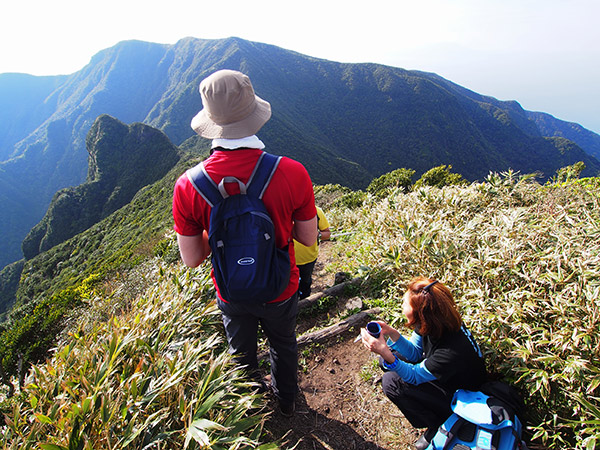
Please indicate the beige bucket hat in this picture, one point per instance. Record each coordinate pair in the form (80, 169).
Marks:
(231, 109)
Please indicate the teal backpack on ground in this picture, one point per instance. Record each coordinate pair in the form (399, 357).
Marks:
(479, 422)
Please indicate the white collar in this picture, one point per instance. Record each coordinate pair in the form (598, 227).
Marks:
(232, 144)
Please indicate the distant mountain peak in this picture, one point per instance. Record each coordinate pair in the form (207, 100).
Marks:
(347, 123)
(122, 160)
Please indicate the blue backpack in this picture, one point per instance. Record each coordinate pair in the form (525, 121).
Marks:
(479, 422)
(248, 267)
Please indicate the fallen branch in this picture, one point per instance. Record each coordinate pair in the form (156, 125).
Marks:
(333, 291)
(323, 334)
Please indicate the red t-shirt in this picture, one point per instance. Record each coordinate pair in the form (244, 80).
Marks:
(288, 197)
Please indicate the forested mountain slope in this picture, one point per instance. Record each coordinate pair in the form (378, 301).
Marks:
(348, 123)
(122, 160)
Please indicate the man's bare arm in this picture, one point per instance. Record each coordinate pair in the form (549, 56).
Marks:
(305, 231)
(193, 249)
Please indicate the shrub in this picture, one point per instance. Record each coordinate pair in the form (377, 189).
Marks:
(326, 195)
(34, 331)
(439, 177)
(352, 200)
(384, 185)
(569, 173)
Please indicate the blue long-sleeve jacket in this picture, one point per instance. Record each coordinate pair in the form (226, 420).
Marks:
(413, 371)
(454, 360)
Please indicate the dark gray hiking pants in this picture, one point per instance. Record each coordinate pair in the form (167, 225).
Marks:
(278, 322)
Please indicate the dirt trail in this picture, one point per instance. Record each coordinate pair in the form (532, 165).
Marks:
(341, 405)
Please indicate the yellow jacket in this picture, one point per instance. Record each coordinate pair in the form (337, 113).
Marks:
(304, 254)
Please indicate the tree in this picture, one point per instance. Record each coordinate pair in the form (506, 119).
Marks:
(440, 176)
(399, 178)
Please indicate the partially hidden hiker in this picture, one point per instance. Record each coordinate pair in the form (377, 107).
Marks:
(306, 257)
(422, 373)
(232, 114)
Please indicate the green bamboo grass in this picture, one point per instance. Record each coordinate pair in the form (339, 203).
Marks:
(157, 377)
(523, 261)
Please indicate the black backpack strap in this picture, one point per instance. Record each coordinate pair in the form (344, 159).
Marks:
(262, 174)
(454, 430)
(505, 395)
(204, 184)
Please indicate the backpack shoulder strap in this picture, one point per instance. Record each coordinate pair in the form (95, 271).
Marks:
(262, 174)
(446, 432)
(213, 193)
(204, 184)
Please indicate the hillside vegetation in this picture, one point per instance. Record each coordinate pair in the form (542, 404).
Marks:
(122, 160)
(347, 123)
(142, 363)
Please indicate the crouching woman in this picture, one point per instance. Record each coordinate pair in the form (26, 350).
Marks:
(423, 372)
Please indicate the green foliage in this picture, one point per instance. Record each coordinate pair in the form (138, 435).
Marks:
(27, 339)
(569, 173)
(439, 177)
(157, 377)
(123, 159)
(57, 281)
(521, 261)
(167, 249)
(117, 243)
(326, 195)
(350, 200)
(384, 185)
(9, 283)
(590, 426)
(520, 258)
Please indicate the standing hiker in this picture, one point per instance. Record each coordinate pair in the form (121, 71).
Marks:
(306, 257)
(423, 372)
(231, 116)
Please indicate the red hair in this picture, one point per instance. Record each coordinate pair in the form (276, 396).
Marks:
(434, 309)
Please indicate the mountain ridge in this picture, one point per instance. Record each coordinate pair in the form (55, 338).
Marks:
(347, 123)
(550, 126)
(122, 160)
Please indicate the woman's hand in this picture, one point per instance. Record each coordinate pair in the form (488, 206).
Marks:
(390, 332)
(377, 345)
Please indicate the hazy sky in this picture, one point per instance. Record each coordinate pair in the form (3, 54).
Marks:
(543, 53)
